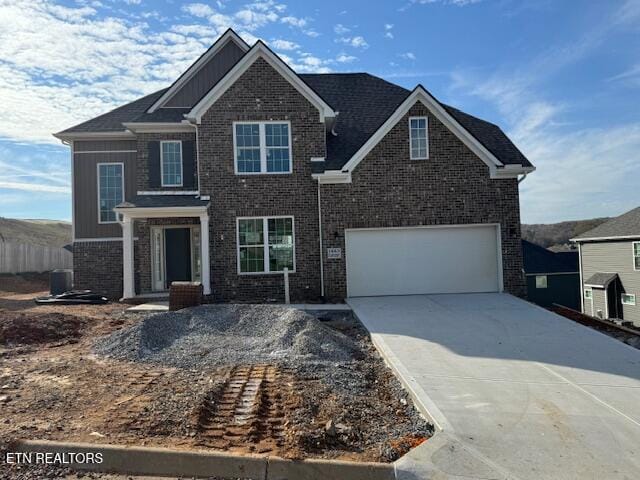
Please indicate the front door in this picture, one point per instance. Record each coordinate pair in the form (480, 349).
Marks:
(178, 254)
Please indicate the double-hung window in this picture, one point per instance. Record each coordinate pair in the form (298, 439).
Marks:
(110, 190)
(262, 147)
(171, 164)
(418, 138)
(636, 255)
(265, 245)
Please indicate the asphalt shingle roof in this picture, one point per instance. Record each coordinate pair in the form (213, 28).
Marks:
(600, 279)
(626, 225)
(159, 201)
(363, 100)
(538, 259)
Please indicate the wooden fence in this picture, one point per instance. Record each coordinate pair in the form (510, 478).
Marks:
(22, 257)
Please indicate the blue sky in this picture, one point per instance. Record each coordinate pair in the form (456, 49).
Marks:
(562, 78)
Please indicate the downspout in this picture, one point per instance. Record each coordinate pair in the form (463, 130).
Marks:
(520, 180)
(320, 243)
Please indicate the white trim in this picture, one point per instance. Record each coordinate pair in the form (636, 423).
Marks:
(593, 239)
(106, 151)
(159, 127)
(633, 256)
(622, 295)
(73, 195)
(496, 167)
(205, 261)
(159, 212)
(426, 129)
(317, 159)
(227, 36)
(162, 184)
(104, 239)
(332, 176)
(259, 50)
(583, 297)
(265, 243)
(120, 135)
(263, 147)
(100, 222)
(128, 280)
(606, 302)
(581, 279)
(550, 274)
(168, 192)
(320, 243)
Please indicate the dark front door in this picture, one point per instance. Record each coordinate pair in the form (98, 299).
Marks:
(177, 243)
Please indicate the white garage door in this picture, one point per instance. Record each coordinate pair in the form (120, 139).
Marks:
(406, 261)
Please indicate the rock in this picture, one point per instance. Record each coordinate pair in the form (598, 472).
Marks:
(96, 434)
(330, 429)
(403, 401)
(5, 398)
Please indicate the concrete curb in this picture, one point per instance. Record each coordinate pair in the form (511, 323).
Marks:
(165, 462)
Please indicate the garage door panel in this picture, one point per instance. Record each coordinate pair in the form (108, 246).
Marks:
(421, 260)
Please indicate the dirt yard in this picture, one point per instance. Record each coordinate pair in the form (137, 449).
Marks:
(53, 387)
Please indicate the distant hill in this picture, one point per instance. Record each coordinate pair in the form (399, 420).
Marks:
(555, 236)
(51, 233)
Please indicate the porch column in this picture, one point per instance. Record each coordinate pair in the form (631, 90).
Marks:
(128, 288)
(204, 253)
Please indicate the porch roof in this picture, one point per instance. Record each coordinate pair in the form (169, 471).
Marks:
(600, 280)
(164, 201)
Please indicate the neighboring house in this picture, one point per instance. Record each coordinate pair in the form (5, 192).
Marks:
(552, 277)
(243, 168)
(610, 268)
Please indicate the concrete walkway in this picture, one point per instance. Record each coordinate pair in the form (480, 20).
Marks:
(519, 392)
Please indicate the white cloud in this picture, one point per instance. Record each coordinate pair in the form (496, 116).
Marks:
(201, 10)
(356, 42)
(630, 77)
(34, 187)
(408, 56)
(387, 30)
(280, 44)
(340, 29)
(294, 21)
(344, 58)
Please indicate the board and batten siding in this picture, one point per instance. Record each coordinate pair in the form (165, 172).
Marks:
(612, 257)
(86, 156)
(208, 75)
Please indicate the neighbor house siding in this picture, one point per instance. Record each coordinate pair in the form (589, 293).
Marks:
(389, 190)
(85, 183)
(562, 288)
(207, 76)
(261, 93)
(615, 257)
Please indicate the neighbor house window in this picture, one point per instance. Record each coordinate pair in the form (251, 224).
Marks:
(171, 166)
(265, 244)
(628, 299)
(636, 255)
(588, 294)
(418, 138)
(110, 190)
(262, 147)
(541, 281)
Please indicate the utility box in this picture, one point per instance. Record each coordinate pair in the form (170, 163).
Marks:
(60, 281)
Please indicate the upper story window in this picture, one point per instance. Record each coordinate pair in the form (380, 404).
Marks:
(418, 138)
(110, 190)
(636, 255)
(262, 147)
(171, 164)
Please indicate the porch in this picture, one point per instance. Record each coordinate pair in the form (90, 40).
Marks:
(173, 243)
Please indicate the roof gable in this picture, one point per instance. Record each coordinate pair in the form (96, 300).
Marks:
(260, 50)
(420, 94)
(626, 225)
(204, 73)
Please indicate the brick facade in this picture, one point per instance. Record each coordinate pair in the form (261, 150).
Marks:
(97, 266)
(389, 190)
(261, 94)
(142, 159)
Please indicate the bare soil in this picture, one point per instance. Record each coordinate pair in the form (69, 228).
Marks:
(53, 387)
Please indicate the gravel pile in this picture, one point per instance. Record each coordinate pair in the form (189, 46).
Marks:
(218, 335)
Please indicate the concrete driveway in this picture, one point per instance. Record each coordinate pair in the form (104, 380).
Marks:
(522, 392)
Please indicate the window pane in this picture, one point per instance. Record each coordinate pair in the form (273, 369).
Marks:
(250, 232)
(541, 281)
(277, 143)
(418, 137)
(171, 163)
(280, 244)
(248, 147)
(252, 259)
(109, 191)
(280, 257)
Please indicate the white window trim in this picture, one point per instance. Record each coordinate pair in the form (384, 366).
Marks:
(162, 143)
(590, 297)
(546, 282)
(265, 231)
(629, 302)
(633, 255)
(426, 126)
(263, 147)
(100, 222)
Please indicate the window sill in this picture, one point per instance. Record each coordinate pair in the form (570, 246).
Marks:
(261, 274)
(241, 174)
